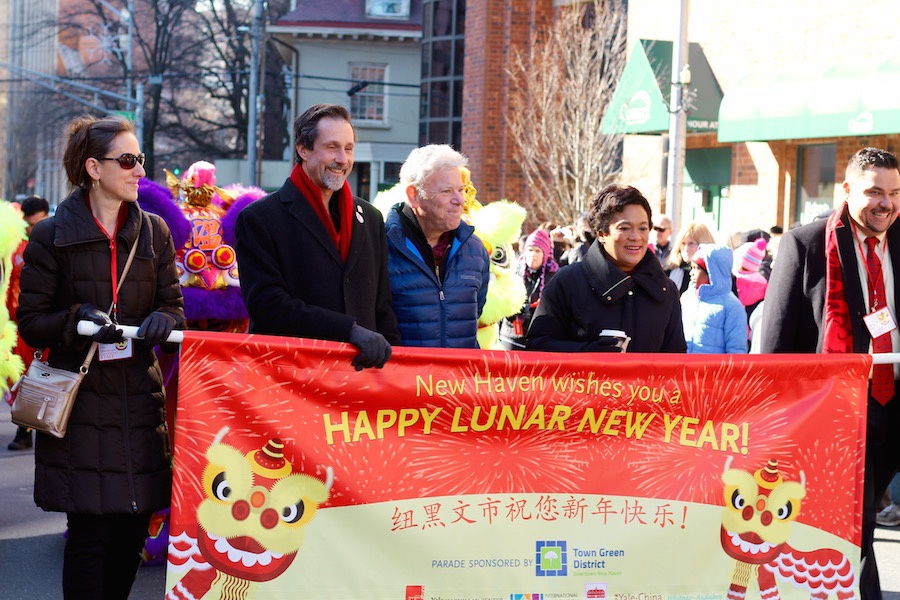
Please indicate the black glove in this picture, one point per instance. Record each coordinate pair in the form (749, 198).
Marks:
(108, 333)
(374, 350)
(156, 328)
(604, 343)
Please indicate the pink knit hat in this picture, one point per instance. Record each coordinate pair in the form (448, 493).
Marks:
(748, 257)
(540, 239)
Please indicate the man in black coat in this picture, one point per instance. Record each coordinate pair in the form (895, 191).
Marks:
(806, 310)
(313, 259)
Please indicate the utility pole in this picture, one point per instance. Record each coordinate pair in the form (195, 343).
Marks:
(126, 16)
(256, 34)
(677, 119)
(129, 60)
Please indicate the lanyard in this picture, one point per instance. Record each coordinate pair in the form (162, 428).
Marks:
(874, 278)
(113, 266)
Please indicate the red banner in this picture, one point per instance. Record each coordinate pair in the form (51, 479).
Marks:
(471, 475)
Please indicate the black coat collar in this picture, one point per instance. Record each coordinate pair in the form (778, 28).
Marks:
(611, 284)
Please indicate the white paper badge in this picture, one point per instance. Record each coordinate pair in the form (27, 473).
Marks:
(116, 351)
(880, 322)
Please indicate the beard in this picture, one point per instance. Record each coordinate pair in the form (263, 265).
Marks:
(331, 180)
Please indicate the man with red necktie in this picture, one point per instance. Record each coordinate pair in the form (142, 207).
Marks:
(834, 289)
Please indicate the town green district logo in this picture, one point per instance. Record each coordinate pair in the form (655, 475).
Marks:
(550, 559)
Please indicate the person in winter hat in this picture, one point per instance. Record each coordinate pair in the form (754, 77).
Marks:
(714, 319)
(751, 284)
(536, 267)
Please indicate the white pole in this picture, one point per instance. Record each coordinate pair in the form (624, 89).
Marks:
(139, 112)
(129, 331)
(677, 121)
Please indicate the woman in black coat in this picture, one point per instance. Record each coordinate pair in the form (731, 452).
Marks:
(618, 286)
(112, 470)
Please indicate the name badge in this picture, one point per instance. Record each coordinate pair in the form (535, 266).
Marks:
(880, 322)
(116, 351)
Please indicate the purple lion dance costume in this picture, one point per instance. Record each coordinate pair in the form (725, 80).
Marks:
(201, 218)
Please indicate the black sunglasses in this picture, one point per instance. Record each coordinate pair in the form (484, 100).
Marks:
(655, 228)
(128, 160)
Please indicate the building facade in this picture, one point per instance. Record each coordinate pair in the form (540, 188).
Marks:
(30, 44)
(364, 55)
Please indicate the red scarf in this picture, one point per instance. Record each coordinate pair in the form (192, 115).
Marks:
(313, 195)
(838, 334)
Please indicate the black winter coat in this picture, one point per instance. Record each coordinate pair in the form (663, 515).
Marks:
(294, 280)
(585, 298)
(794, 311)
(115, 457)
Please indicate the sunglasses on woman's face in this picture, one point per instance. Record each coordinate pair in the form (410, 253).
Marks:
(128, 160)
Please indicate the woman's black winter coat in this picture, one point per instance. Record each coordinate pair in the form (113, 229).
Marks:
(115, 457)
(592, 295)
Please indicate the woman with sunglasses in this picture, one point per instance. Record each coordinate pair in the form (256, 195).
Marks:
(112, 469)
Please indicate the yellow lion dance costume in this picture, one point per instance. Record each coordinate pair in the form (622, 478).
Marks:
(12, 231)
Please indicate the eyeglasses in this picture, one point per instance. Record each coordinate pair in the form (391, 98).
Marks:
(657, 229)
(128, 160)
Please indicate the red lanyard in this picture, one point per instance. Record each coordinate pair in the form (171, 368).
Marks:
(113, 266)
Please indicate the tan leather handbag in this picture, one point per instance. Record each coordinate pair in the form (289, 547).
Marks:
(45, 395)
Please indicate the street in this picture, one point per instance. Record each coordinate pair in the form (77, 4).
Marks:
(31, 540)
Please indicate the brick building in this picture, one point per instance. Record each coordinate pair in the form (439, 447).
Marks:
(499, 28)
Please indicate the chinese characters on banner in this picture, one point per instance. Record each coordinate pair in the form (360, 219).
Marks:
(473, 475)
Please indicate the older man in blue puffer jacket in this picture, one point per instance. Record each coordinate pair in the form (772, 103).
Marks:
(439, 269)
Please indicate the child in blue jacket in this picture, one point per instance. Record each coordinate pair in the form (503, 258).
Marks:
(715, 321)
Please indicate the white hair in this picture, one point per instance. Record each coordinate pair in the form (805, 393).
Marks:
(424, 161)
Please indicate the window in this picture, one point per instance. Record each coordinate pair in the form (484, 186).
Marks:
(443, 51)
(390, 9)
(367, 102)
(815, 181)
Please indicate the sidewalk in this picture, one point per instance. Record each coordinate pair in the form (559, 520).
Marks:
(31, 540)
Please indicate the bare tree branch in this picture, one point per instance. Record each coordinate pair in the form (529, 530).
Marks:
(562, 85)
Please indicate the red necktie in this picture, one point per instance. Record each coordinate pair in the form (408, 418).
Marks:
(882, 375)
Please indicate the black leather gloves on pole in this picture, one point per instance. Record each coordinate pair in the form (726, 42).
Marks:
(156, 328)
(374, 350)
(108, 334)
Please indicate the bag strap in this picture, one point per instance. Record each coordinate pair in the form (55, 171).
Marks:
(93, 349)
(131, 253)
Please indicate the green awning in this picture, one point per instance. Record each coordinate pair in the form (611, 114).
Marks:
(640, 102)
(849, 99)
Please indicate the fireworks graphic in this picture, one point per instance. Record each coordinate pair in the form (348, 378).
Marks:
(503, 459)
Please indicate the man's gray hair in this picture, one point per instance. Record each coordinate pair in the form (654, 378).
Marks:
(424, 161)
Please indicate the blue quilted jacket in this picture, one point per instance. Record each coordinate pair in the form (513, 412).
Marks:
(715, 321)
(431, 313)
